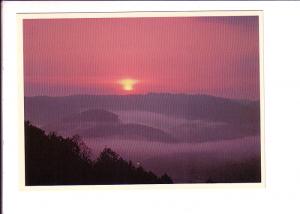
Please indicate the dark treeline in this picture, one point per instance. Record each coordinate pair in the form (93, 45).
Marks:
(54, 160)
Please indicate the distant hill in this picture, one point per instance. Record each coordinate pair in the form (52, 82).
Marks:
(128, 131)
(96, 123)
(93, 115)
(154, 116)
(44, 110)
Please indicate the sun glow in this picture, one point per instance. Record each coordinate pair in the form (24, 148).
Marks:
(128, 84)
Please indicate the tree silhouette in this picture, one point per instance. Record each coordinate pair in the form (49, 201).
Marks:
(54, 160)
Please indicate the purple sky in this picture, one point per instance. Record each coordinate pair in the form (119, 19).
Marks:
(212, 55)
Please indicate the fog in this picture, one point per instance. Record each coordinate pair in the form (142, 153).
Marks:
(184, 162)
(189, 150)
(161, 121)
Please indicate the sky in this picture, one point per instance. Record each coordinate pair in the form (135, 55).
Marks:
(217, 56)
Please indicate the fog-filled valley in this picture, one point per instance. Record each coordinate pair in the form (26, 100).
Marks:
(193, 138)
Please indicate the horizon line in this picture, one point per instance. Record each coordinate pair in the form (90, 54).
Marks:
(141, 94)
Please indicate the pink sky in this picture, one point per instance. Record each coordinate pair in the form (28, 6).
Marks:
(206, 55)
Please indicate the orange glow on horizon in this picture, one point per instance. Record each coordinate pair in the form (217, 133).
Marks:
(128, 84)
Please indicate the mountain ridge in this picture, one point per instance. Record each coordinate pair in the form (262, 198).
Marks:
(146, 94)
(185, 106)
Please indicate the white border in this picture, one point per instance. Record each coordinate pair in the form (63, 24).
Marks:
(281, 76)
(21, 17)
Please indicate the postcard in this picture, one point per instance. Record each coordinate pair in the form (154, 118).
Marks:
(142, 98)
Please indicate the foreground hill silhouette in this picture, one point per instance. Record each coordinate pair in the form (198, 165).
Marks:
(54, 160)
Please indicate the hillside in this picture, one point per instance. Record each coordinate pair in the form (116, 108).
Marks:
(93, 115)
(54, 160)
(192, 107)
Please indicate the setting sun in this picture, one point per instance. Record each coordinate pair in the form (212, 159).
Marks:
(128, 84)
